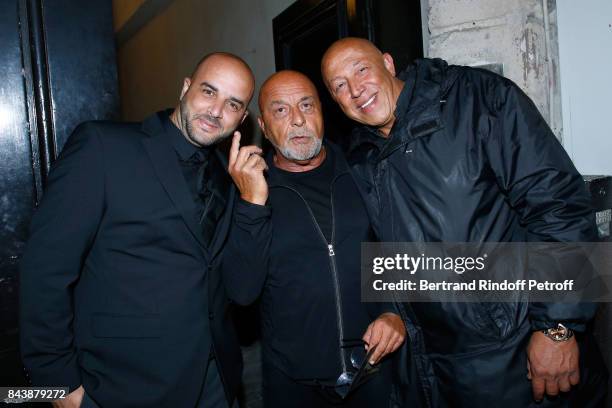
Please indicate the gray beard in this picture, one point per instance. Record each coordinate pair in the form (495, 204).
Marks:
(301, 155)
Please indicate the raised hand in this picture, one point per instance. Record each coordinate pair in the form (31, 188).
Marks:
(246, 167)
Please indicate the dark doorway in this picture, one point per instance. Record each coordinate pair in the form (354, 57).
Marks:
(307, 28)
(58, 69)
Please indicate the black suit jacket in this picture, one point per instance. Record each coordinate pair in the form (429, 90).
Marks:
(118, 290)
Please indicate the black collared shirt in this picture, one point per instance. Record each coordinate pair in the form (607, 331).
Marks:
(191, 158)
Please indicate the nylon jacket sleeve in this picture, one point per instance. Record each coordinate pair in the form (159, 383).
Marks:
(62, 230)
(542, 185)
(246, 252)
(375, 309)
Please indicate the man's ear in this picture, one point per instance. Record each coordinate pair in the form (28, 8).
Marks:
(262, 126)
(389, 64)
(186, 85)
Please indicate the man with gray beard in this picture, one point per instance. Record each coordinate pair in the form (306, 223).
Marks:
(300, 230)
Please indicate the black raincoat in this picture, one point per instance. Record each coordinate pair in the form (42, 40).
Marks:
(470, 159)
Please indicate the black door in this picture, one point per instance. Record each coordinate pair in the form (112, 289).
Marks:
(58, 69)
(307, 28)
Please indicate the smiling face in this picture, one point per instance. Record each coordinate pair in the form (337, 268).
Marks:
(291, 116)
(362, 81)
(214, 100)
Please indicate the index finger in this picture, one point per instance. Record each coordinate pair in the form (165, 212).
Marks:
(377, 339)
(385, 344)
(234, 149)
(366, 337)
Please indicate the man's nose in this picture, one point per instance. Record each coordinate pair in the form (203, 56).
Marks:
(355, 88)
(216, 109)
(297, 118)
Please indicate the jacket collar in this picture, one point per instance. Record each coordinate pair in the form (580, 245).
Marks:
(185, 150)
(418, 107)
(220, 185)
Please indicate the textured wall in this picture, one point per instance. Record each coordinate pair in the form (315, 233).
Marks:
(507, 32)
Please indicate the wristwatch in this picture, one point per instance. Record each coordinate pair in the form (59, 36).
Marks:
(559, 333)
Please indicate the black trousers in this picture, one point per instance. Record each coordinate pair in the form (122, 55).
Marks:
(280, 391)
(212, 394)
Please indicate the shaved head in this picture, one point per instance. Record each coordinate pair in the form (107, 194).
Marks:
(361, 79)
(359, 44)
(283, 79)
(228, 60)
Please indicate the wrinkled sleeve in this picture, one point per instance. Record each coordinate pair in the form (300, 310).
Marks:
(375, 309)
(541, 183)
(247, 251)
(62, 230)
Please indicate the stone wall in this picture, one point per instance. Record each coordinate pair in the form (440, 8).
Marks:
(512, 33)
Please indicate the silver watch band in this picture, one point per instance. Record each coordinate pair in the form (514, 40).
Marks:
(559, 333)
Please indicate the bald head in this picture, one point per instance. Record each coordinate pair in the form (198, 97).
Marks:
(361, 79)
(284, 80)
(349, 43)
(228, 61)
(291, 117)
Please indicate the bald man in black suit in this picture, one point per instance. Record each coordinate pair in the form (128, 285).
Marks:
(121, 295)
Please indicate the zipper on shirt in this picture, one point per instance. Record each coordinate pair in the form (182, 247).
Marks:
(332, 262)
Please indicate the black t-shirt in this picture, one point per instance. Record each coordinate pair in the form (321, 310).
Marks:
(315, 186)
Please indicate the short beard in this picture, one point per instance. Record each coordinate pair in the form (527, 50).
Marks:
(301, 155)
(186, 119)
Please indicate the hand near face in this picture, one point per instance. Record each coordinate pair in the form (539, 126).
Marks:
(387, 333)
(246, 167)
(552, 366)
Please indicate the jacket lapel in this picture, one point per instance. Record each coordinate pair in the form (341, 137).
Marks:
(218, 211)
(168, 171)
